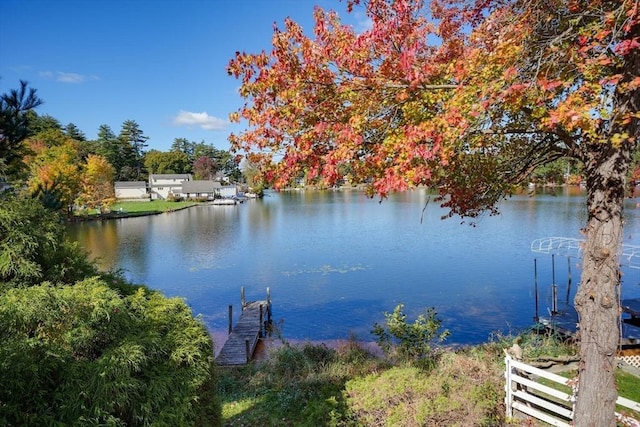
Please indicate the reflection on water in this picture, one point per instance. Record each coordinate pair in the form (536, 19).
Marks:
(336, 260)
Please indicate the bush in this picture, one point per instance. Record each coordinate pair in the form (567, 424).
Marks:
(33, 248)
(410, 342)
(84, 354)
(174, 198)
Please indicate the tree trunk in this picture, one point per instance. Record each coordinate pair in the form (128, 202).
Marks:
(597, 298)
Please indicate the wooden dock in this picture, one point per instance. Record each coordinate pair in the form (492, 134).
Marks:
(243, 338)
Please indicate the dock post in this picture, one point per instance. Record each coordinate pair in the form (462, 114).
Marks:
(242, 302)
(554, 287)
(230, 318)
(535, 276)
(260, 332)
(247, 347)
(568, 280)
(268, 305)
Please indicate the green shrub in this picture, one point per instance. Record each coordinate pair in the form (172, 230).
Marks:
(84, 354)
(410, 342)
(33, 248)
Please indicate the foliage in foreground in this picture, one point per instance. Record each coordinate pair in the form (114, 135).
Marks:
(311, 385)
(82, 348)
(85, 354)
(33, 248)
(463, 389)
(410, 341)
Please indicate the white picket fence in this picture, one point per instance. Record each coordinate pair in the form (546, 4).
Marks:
(527, 396)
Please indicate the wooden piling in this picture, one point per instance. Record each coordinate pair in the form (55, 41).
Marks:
(243, 338)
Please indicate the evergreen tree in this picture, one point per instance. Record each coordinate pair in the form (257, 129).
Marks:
(133, 143)
(38, 124)
(74, 132)
(14, 125)
(183, 145)
(108, 146)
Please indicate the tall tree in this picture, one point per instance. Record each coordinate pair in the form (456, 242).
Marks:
(468, 97)
(14, 125)
(134, 143)
(110, 147)
(183, 145)
(74, 132)
(228, 164)
(166, 162)
(38, 123)
(203, 149)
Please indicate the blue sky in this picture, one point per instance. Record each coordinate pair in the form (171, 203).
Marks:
(158, 62)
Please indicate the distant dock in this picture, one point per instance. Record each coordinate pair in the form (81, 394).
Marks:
(243, 338)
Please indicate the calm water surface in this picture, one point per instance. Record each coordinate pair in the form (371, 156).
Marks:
(336, 260)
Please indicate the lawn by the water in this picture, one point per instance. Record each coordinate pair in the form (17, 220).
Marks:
(153, 206)
(129, 209)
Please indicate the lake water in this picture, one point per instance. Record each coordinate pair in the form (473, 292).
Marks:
(336, 260)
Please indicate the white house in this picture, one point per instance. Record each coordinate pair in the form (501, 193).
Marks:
(201, 188)
(209, 189)
(162, 185)
(228, 191)
(131, 190)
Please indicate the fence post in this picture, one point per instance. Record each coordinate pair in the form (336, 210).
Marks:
(508, 399)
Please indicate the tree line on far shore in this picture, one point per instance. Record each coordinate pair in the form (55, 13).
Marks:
(59, 165)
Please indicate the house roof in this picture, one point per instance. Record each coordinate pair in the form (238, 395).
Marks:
(173, 176)
(130, 184)
(200, 186)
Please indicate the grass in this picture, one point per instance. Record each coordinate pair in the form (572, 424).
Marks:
(153, 206)
(628, 386)
(313, 385)
(129, 209)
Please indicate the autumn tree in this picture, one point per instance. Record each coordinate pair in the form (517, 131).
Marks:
(14, 125)
(204, 168)
(252, 177)
(468, 97)
(56, 169)
(97, 183)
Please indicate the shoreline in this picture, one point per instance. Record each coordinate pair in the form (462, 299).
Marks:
(269, 343)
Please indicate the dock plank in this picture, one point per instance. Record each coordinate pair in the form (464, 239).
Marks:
(234, 351)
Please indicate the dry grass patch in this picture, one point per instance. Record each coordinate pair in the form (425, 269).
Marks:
(461, 390)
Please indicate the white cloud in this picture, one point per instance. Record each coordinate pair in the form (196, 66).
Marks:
(203, 120)
(63, 77)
